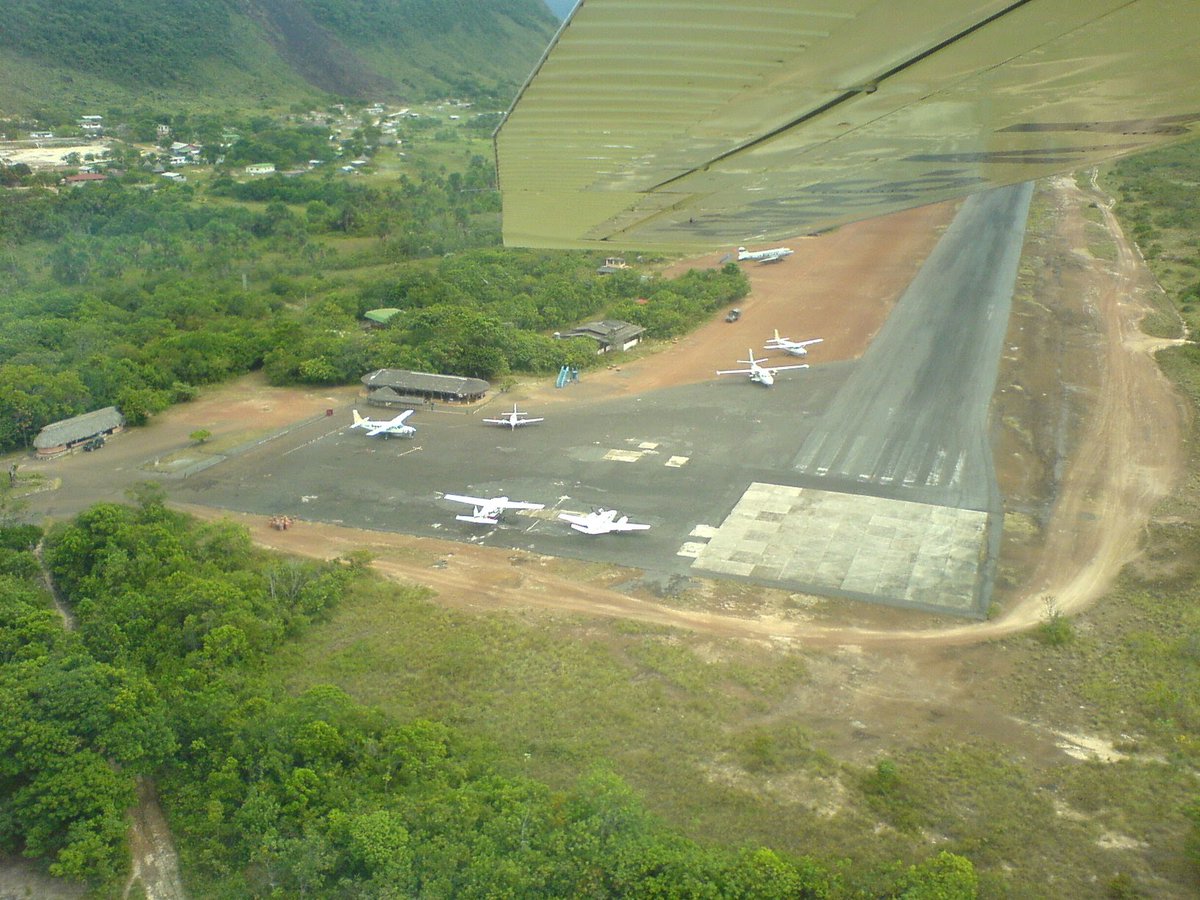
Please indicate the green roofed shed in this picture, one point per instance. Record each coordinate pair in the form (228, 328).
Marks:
(380, 316)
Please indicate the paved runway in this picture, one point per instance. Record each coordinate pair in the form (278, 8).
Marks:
(906, 425)
(911, 421)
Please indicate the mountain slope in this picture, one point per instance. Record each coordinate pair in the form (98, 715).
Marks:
(271, 49)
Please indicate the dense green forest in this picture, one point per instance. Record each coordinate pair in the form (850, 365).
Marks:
(133, 292)
(210, 51)
(311, 795)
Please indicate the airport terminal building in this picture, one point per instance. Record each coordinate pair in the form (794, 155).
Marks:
(400, 387)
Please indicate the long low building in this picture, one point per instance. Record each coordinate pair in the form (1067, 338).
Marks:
(70, 434)
(398, 387)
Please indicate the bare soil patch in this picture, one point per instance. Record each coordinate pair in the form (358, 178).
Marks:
(839, 286)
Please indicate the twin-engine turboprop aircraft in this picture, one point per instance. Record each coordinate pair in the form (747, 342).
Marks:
(762, 374)
(765, 256)
(792, 348)
(514, 419)
(489, 509)
(386, 427)
(602, 521)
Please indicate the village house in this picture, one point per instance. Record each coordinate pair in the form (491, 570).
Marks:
(84, 178)
(610, 335)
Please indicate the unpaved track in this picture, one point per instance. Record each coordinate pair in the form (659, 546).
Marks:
(1132, 452)
(155, 864)
(1128, 458)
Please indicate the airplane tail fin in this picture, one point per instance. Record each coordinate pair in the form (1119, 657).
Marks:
(358, 420)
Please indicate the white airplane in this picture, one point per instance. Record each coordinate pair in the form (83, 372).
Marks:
(763, 255)
(792, 348)
(602, 521)
(385, 427)
(513, 419)
(763, 375)
(488, 509)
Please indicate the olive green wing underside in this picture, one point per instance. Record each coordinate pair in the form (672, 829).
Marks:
(693, 124)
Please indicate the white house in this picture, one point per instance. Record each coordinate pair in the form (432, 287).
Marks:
(261, 169)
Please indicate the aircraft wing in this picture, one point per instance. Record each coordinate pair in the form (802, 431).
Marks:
(521, 504)
(396, 424)
(723, 122)
(529, 421)
(496, 421)
(626, 526)
(786, 368)
(474, 501)
(597, 523)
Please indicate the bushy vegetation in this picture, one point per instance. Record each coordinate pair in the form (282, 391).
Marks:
(1159, 206)
(271, 794)
(134, 297)
(120, 38)
(422, 48)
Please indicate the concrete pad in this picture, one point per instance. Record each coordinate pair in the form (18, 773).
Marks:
(898, 552)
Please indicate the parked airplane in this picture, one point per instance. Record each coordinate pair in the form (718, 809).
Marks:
(602, 521)
(764, 376)
(792, 348)
(774, 255)
(489, 509)
(385, 427)
(513, 419)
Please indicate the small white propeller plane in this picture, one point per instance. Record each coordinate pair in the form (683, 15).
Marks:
(489, 509)
(386, 427)
(792, 348)
(765, 256)
(761, 374)
(514, 419)
(602, 521)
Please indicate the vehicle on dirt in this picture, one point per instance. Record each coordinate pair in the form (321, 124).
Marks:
(94, 444)
(734, 315)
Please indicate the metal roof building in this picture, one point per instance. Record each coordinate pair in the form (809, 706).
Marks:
(610, 334)
(380, 316)
(59, 437)
(390, 387)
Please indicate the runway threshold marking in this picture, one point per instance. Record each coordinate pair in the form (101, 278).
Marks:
(624, 455)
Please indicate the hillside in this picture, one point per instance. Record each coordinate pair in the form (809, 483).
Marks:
(71, 54)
